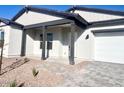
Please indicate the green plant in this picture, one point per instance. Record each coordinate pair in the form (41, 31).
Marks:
(35, 72)
(26, 60)
(13, 84)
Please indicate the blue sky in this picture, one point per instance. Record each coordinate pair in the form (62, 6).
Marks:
(8, 11)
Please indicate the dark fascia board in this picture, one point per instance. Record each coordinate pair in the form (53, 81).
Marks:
(108, 30)
(19, 14)
(12, 23)
(66, 15)
(62, 14)
(111, 12)
(51, 23)
(71, 9)
(113, 22)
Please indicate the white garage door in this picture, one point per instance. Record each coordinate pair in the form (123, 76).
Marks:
(109, 47)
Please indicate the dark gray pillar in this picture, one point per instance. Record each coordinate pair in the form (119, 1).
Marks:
(44, 43)
(71, 57)
(23, 45)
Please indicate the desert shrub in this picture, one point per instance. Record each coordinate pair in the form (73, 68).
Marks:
(13, 84)
(26, 60)
(35, 72)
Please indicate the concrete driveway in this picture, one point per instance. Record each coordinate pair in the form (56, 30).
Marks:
(97, 74)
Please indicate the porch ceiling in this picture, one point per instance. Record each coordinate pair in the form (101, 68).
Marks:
(56, 26)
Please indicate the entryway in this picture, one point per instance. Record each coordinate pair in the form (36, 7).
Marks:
(49, 43)
(57, 44)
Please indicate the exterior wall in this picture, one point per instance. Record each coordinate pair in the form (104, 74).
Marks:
(100, 47)
(12, 43)
(30, 34)
(84, 47)
(106, 47)
(15, 41)
(65, 35)
(6, 30)
(33, 18)
(36, 50)
(92, 16)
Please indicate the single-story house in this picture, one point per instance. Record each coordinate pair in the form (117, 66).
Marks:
(78, 33)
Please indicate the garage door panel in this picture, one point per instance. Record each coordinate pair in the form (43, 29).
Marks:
(109, 48)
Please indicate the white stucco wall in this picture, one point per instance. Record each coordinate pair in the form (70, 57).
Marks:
(33, 18)
(92, 16)
(84, 47)
(15, 41)
(12, 43)
(106, 47)
(36, 47)
(6, 30)
(65, 34)
(30, 42)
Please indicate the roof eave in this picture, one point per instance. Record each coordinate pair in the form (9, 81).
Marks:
(62, 14)
(12, 23)
(104, 11)
(19, 14)
(114, 22)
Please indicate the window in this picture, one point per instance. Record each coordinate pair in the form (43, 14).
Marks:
(49, 40)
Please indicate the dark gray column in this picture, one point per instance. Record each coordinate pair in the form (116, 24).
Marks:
(44, 43)
(23, 45)
(71, 57)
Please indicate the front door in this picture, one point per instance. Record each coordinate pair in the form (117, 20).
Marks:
(49, 45)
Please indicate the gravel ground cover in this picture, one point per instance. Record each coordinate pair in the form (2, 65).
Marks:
(53, 74)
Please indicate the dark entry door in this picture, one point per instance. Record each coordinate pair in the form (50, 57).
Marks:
(49, 44)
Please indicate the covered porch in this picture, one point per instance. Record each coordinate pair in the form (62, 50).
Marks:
(50, 40)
